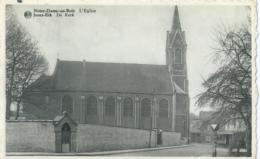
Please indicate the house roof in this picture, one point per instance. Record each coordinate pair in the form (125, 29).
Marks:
(38, 112)
(206, 115)
(109, 77)
(42, 82)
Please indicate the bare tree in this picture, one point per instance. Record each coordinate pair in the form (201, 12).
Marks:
(228, 89)
(24, 63)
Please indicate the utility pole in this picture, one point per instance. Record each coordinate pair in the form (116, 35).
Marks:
(151, 119)
(215, 128)
(150, 133)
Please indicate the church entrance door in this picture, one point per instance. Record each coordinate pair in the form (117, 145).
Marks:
(66, 138)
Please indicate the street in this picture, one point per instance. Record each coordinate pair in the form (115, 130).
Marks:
(194, 149)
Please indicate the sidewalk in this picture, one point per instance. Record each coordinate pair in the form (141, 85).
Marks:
(90, 153)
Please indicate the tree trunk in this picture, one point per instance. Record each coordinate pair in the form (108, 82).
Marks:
(18, 109)
(8, 105)
(9, 91)
(248, 137)
(248, 140)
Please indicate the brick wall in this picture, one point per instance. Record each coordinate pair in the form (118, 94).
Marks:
(37, 105)
(181, 124)
(181, 104)
(164, 123)
(25, 136)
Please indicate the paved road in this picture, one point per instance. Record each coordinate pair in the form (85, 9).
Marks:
(192, 150)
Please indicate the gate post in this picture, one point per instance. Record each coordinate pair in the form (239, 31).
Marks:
(58, 141)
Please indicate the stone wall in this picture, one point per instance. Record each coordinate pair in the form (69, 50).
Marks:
(39, 136)
(101, 138)
(170, 138)
(30, 136)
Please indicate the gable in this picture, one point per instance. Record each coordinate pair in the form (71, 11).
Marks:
(178, 35)
(59, 121)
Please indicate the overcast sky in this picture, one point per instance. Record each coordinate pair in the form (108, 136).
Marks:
(133, 34)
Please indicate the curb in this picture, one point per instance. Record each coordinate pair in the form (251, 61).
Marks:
(91, 153)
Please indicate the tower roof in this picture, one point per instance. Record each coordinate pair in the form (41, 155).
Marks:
(176, 20)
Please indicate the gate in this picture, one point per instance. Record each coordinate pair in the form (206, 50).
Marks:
(66, 138)
(159, 137)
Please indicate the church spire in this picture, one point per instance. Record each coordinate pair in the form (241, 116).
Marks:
(176, 52)
(176, 20)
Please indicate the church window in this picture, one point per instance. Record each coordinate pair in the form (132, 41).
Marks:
(163, 108)
(128, 107)
(47, 99)
(110, 106)
(146, 107)
(178, 56)
(184, 84)
(92, 105)
(67, 103)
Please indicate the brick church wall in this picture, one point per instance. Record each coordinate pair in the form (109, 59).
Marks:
(43, 109)
(181, 124)
(128, 122)
(28, 136)
(181, 106)
(164, 123)
(110, 120)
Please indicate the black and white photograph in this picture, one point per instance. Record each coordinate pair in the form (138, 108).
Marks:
(129, 80)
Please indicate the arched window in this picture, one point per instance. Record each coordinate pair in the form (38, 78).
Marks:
(110, 106)
(146, 107)
(47, 99)
(128, 107)
(92, 105)
(163, 108)
(67, 104)
(178, 56)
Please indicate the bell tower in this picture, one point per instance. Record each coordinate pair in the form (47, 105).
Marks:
(176, 62)
(176, 52)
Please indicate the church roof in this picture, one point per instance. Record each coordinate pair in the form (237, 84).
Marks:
(178, 89)
(108, 77)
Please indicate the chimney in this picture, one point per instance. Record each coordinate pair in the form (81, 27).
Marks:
(83, 74)
(84, 67)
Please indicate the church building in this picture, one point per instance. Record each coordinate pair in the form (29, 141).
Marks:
(135, 96)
